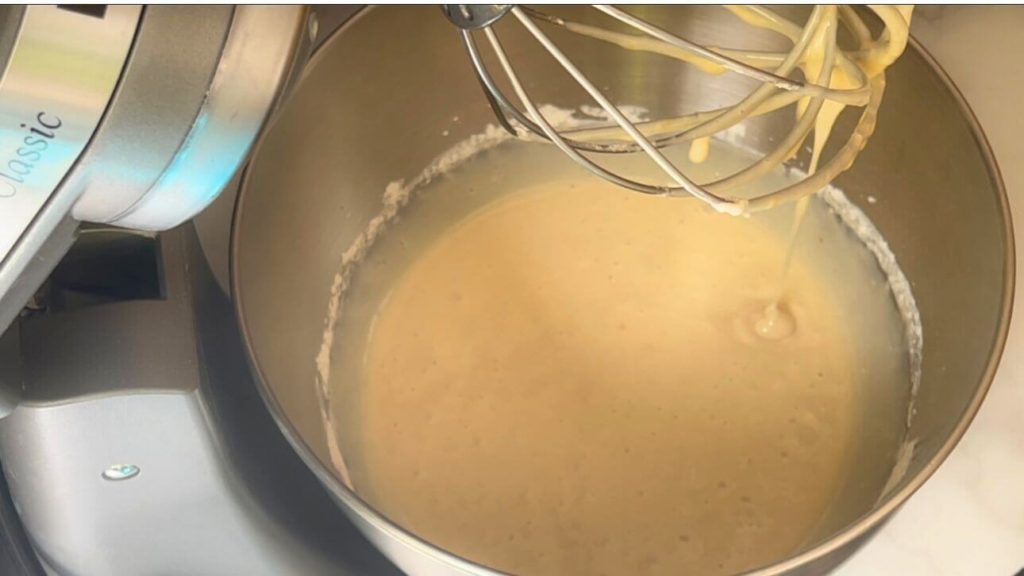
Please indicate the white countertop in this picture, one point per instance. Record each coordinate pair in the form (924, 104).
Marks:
(968, 519)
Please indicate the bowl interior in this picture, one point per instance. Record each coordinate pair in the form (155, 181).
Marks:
(393, 89)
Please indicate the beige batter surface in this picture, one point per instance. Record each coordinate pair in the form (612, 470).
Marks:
(571, 381)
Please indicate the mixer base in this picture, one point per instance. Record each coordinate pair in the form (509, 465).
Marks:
(166, 460)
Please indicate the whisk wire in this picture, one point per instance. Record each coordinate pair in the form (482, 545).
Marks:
(862, 85)
(613, 112)
(548, 131)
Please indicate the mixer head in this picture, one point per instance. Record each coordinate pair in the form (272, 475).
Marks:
(816, 76)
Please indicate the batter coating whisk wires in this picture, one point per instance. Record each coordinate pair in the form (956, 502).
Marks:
(815, 75)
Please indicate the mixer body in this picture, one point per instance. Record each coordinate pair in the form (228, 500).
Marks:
(126, 115)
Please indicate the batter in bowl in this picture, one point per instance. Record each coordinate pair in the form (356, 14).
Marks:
(577, 379)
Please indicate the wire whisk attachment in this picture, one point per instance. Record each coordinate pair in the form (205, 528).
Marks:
(816, 76)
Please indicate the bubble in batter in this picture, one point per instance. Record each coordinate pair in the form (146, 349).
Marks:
(775, 322)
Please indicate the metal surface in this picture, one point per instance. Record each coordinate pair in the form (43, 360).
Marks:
(119, 472)
(10, 377)
(775, 89)
(17, 558)
(10, 22)
(42, 251)
(958, 253)
(62, 70)
(213, 224)
(177, 49)
(474, 16)
(199, 83)
(251, 70)
(158, 457)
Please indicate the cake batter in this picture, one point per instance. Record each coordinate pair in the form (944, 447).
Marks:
(579, 379)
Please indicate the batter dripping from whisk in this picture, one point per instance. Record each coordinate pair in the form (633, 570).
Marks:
(775, 321)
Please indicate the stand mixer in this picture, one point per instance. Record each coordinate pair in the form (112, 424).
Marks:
(139, 427)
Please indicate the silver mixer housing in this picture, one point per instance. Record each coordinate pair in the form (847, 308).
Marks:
(128, 115)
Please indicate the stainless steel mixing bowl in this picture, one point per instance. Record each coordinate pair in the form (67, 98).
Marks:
(392, 89)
